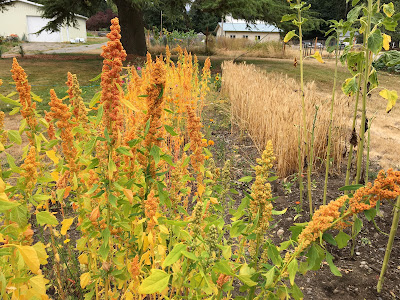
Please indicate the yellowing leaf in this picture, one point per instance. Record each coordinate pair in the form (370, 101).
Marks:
(2, 186)
(318, 57)
(85, 279)
(129, 195)
(52, 155)
(41, 252)
(150, 238)
(1, 146)
(128, 296)
(200, 189)
(386, 40)
(155, 283)
(38, 284)
(214, 200)
(391, 96)
(388, 9)
(289, 36)
(55, 175)
(30, 257)
(83, 259)
(163, 229)
(129, 104)
(66, 224)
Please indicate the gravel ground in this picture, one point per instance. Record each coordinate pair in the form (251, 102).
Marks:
(53, 48)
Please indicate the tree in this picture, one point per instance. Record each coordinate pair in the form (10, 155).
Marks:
(4, 4)
(131, 14)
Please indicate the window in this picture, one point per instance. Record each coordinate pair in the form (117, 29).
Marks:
(233, 36)
(245, 36)
(258, 37)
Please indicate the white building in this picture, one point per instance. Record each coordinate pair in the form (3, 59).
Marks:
(24, 19)
(260, 31)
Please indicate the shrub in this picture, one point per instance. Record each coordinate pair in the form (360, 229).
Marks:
(100, 20)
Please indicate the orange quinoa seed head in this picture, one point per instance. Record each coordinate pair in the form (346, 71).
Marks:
(113, 54)
(386, 186)
(24, 90)
(30, 166)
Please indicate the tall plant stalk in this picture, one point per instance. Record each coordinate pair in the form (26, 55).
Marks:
(353, 128)
(328, 150)
(360, 150)
(364, 95)
(310, 162)
(393, 231)
(303, 105)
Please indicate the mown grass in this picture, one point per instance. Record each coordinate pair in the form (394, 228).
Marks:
(45, 74)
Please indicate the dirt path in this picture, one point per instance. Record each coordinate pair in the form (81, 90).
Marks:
(54, 48)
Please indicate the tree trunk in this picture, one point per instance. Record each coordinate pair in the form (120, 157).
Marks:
(132, 27)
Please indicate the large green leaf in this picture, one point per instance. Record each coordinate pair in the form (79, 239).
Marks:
(335, 271)
(292, 270)
(15, 137)
(223, 267)
(7, 205)
(342, 239)
(46, 218)
(375, 41)
(19, 215)
(155, 283)
(174, 255)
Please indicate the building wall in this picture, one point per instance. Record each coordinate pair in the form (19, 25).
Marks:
(69, 32)
(13, 21)
(264, 36)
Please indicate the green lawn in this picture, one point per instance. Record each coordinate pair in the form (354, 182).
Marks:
(46, 74)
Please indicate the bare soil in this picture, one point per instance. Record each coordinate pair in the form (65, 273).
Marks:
(360, 273)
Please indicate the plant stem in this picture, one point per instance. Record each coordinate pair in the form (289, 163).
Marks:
(303, 104)
(353, 128)
(393, 230)
(363, 114)
(311, 158)
(328, 150)
(367, 163)
(364, 96)
(300, 170)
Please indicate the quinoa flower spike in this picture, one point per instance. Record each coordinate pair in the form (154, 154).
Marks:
(114, 55)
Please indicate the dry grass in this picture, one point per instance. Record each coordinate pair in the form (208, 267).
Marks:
(243, 47)
(268, 106)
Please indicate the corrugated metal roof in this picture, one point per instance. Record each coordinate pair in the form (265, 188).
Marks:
(249, 27)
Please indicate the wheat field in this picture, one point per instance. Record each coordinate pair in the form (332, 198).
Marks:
(268, 106)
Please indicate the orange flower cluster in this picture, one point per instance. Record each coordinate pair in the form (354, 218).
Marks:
(193, 127)
(155, 104)
(386, 186)
(322, 220)
(155, 108)
(79, 112)
(51, 132)
(30, 166)
(114, 55)
(222, 279)
(60, 112)
(150, 209)
(261, 189)
(24, 90)
(134, 267)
